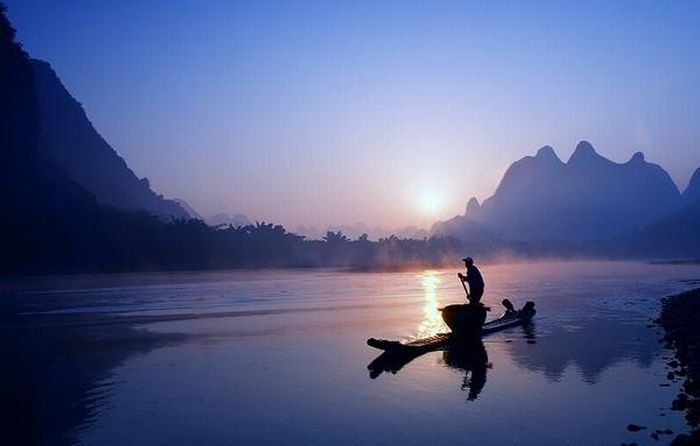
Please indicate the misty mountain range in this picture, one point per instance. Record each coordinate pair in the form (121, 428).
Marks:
(540, 197)
(70, 203)
(587, 198)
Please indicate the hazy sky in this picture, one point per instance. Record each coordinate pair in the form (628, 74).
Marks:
(321, 112)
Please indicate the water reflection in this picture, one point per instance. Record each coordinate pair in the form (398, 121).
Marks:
(578, 330)
(56, 377)
(469, 356)
(529, 332)
(432, 323)
(474, 361)
(592, 346)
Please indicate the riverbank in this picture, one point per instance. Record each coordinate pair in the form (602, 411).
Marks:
(679, 318)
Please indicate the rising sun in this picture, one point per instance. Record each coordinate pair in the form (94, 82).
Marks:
(431, 202)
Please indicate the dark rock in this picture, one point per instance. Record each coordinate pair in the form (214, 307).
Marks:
(635, 427)
(692, 386)
(679, 404)
(683, 440)
(692, 414)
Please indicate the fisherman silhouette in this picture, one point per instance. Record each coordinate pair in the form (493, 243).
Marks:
(467, 320)
(474, 279)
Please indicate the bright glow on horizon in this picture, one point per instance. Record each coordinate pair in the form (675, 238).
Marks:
(432, 202)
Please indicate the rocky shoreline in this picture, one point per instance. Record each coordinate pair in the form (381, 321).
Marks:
(680, 319)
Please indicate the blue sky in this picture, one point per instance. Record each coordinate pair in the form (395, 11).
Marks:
(326, 112)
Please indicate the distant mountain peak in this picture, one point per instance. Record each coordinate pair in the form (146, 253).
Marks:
(547, 153)
(638, 157)
(473, 206)
(585, 146)
(584, 153)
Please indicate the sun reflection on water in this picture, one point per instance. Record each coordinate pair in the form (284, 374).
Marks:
(432, 323)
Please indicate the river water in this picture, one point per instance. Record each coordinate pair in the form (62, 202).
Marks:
(279, 357)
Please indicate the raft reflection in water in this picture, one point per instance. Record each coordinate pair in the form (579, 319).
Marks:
(469, 356)
(474, 361)
(466, 354)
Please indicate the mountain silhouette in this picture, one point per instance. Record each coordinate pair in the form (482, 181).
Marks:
(68, 140)
(675, 235)
(589, 197)
(71, 204)
(692, 192)
(38, 200)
